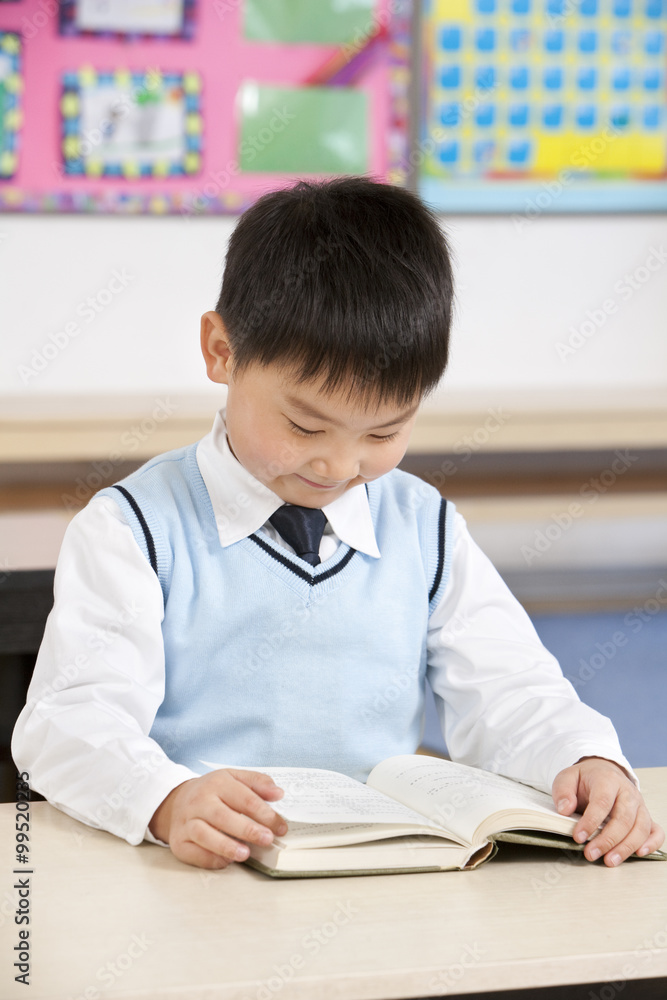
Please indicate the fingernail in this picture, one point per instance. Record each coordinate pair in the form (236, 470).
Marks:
(282, 829)
(265, 836)
(642, 851)
(581, 836)
(562, 805)
(242, 853)
(595, 854)
(615, 859)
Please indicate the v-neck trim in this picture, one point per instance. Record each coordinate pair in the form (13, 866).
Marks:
(311, 575)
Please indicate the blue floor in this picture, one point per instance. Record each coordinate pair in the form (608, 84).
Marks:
(617, 661)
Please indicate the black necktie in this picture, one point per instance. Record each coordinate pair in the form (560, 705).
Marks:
(302, 527)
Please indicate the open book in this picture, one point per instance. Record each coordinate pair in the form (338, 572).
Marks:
(415, 813)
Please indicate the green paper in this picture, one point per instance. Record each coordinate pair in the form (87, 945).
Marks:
(308, 130)
(326, 22)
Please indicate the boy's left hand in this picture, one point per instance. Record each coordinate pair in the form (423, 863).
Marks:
(601, 789)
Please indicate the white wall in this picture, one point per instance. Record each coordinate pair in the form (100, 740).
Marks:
(521, 291)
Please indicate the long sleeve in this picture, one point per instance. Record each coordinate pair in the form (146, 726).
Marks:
(98, 683)
(503, 702)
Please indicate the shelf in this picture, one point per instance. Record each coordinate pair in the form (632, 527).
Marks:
(122, 428)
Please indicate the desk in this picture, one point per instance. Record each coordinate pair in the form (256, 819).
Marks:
(132, 922)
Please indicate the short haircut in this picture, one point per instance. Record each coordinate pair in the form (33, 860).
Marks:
(347, 281)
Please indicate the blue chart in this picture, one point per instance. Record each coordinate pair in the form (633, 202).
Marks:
(545, 105)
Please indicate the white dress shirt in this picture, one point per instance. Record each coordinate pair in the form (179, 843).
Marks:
(503, 702)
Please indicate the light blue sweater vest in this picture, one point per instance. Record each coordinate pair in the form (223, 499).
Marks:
(269, 660)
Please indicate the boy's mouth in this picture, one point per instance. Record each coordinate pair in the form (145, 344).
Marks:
(318, 486)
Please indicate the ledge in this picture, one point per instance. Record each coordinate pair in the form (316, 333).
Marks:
(134, 428)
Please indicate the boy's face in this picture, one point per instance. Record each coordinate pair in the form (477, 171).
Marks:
(305, 446)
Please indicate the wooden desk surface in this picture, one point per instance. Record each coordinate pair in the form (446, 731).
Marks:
(109, 920)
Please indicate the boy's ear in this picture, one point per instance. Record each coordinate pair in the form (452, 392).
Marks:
(216, 348)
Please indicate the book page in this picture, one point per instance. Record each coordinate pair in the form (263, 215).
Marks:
(460, 798)
(307, 835)
(315, 795)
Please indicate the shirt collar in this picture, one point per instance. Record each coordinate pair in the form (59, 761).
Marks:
(241, 504)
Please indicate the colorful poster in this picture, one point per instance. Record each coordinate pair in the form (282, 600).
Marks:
(170, 18)
(131, 124)
(545, 105)
(11, 84)
(196, 108)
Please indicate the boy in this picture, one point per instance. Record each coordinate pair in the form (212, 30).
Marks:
(249, 599)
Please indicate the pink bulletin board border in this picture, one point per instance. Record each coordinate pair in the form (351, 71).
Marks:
(39, 184)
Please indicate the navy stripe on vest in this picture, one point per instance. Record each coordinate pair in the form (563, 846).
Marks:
(441, 550)
(284, 560)
(297, 570)
(150, 544)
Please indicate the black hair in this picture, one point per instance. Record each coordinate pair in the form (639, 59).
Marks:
(348, 281)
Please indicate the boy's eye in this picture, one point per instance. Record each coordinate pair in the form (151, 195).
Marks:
(306, 433)
(301, 430)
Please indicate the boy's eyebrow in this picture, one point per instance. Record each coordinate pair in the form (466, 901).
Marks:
(310, 411)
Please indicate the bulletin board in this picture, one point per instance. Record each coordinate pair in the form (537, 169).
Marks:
(533, 106)
(196, 106)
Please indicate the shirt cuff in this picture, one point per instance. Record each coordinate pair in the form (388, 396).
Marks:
(153, 840)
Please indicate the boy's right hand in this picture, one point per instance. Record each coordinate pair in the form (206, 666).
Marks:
(201, 818)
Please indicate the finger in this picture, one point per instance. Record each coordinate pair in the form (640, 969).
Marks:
(261, 783)
(241, 798)
(596, 812)
(564, 791)
(199, 833)
(233, 786)
(628, 821)
(655, 840)
(628, 845)
(237, 823)
(193, 854)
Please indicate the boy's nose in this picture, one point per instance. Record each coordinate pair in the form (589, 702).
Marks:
(336, 468)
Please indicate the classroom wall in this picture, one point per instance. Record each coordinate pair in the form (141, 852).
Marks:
(596, 286)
